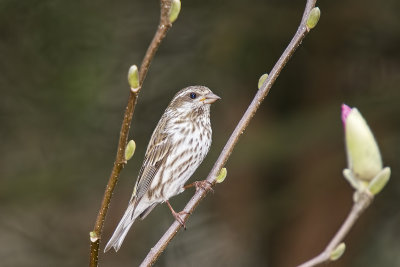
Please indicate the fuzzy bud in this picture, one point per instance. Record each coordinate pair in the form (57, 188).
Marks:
(365, 170)
(130, 149)
(133, 77)
(93, 237)
(363, 155)
(262, 80)
(313, 17)
(338, 252)
(221, 176)
(379, 182)
(174, 11)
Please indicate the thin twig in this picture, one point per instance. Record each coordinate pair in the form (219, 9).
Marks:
(363, 202)
(156, 251)
(120, 161)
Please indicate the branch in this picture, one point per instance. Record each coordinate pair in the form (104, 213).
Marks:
(364, 200)
(120, 161)
(301, 32)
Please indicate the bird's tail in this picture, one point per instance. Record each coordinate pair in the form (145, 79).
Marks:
(122, 229)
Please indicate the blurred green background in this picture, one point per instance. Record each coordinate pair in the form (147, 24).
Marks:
(63, 67)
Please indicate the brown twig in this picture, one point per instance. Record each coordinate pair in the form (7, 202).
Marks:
(301, 32)
(363, 202)
(120, 161)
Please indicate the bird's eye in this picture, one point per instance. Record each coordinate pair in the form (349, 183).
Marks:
(193, 95)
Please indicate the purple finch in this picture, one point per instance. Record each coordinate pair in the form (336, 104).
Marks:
(178, 145)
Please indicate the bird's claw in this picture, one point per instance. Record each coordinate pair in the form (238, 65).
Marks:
(178, 217)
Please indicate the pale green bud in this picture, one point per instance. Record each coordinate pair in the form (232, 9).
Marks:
(313, 17)
(337, 252)
(93, 237)
(130, 149)
(379, 182)
(262, 80)
(363, 155)
(221, 176)
(174, 11)
(133, 77)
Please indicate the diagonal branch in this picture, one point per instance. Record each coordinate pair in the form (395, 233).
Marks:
(302, 31)
(120, 161)
(363, 202)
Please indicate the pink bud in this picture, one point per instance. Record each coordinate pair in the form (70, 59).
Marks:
(345, 113)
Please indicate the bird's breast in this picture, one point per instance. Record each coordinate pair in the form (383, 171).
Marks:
(190, 144)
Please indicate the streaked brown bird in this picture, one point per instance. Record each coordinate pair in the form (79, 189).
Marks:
(178, 145)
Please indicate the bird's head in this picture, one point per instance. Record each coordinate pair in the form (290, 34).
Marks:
(193, 98)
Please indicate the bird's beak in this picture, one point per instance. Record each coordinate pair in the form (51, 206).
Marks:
(210, 98)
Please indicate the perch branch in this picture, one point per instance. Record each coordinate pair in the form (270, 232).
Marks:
(301, 32)
(120, 162)
(365, 199)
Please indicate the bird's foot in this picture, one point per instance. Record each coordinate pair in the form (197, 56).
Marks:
(178, 215)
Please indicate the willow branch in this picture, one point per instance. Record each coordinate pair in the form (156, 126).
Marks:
(365, 199)
(301, 32)
(120, 161)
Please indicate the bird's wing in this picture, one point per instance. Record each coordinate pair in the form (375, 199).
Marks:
(157, 152)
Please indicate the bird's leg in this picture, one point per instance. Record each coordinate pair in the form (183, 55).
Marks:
(205, 185)
(178, 215)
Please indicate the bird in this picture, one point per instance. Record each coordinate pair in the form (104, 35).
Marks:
(178, 145)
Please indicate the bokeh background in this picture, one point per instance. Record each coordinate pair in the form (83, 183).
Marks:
(63, 67)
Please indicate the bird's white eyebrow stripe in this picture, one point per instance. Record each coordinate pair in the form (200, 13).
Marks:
(192, 88)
